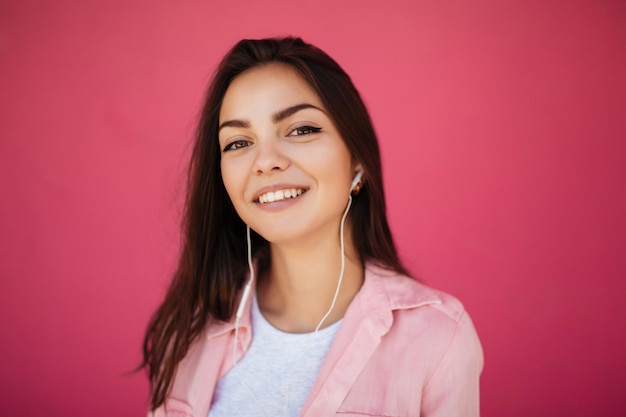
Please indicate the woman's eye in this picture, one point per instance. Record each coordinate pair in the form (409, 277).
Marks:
(238, 144)
(304, 130)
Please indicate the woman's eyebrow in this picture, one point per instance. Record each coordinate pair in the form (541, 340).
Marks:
(276, 118)
(283, 114)
(235, 123)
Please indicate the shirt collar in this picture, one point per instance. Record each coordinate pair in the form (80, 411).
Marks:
(383, 291)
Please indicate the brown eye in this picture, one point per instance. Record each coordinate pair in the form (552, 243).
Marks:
(304, 130)
(237, 144)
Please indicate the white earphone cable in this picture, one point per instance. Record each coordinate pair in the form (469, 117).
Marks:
(343, 265)
(246, 294)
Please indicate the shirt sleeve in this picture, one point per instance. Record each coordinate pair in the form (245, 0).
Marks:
(453, 390)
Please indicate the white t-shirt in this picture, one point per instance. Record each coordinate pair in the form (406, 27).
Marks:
(275, 376)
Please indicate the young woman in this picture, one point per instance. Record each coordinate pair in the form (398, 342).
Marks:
(289, 298)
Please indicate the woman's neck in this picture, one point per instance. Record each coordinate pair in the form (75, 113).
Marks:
(301, 281)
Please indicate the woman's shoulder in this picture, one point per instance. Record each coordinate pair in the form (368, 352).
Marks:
(432, 319)
(423, 313)
(430, 345)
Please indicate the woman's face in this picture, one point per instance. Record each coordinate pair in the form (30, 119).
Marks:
(285, 167)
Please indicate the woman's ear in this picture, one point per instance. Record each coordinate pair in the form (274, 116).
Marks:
(355, 187)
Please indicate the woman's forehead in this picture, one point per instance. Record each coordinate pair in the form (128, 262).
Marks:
(265, 90)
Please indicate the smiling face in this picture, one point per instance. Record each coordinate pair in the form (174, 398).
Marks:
(285, 166)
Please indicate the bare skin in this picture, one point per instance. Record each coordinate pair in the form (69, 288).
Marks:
(302, 281)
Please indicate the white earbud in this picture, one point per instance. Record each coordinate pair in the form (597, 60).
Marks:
(356, 180)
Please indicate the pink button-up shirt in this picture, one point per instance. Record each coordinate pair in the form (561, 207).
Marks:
(403, 349)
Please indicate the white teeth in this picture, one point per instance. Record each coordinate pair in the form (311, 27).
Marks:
(280, 195)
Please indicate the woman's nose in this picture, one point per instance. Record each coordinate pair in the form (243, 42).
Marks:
(269, 158)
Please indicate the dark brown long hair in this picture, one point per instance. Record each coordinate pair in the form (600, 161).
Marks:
(212, 266)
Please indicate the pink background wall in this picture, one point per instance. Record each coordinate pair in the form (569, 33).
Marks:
(502, 125)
